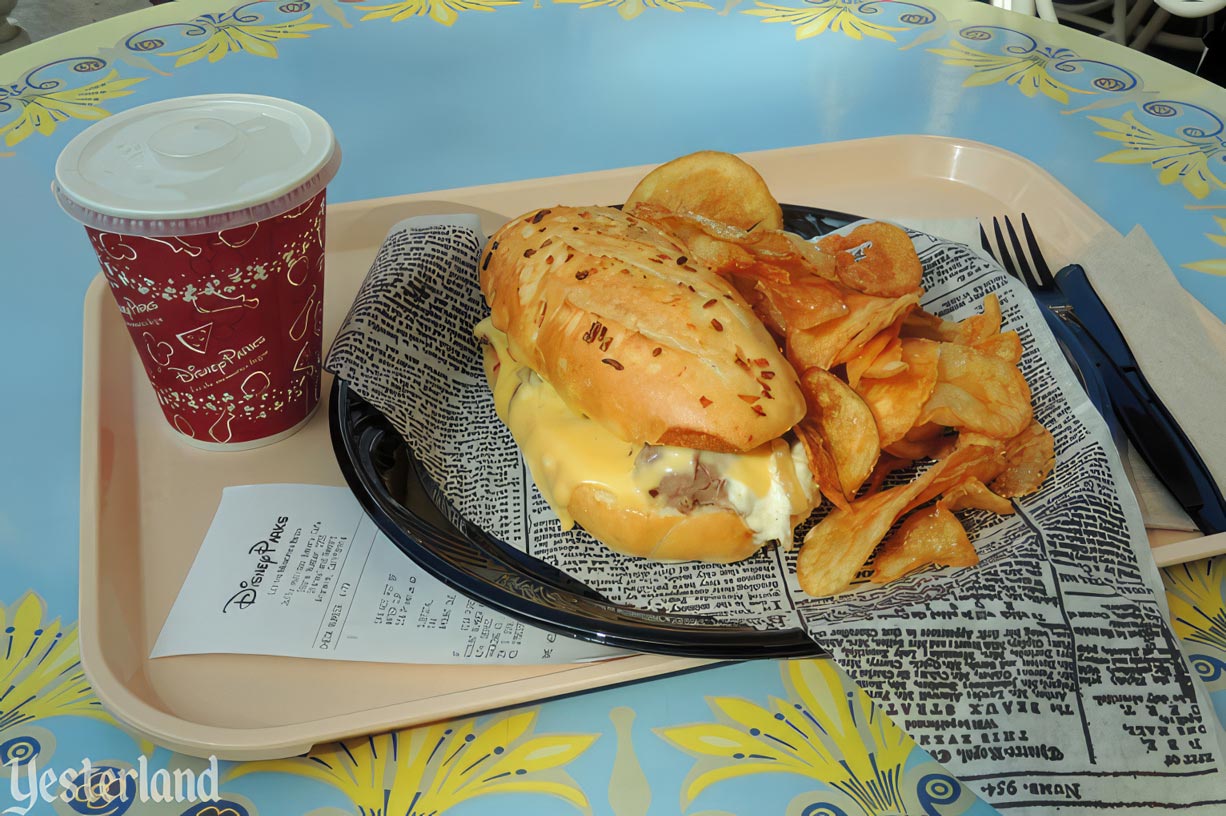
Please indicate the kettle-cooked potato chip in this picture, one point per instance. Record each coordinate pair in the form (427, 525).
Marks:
(836, 548)
(929, 536)
(969, 332)
(927, 441)
(1029, 458)
(978, 392)
(888, 266)
(973, 494)
(847, 429)
(897, 401)
(1006, 345)
(717, 185)
(837, 341)
(880, 357)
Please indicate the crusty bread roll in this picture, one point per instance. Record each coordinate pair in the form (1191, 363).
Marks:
(631, 332)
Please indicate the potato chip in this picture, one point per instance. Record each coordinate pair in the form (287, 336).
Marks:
(847, 429)
(978, 392)
(835, 549)
(882, 313)
(837, 341)
(896, 402)
(1029, 458)
(929, 536)
(1006, 345)
(862, 360)
(927, 326)
(883, 343)
(725, 258)
(821, 463)
(805, 301)
(927, 441)
(789, 282)
(888, 265)
(886, 464)
(969, 332)
(717, 185)
(972, 494)
(972, 457)
(778, 246)
(970, 439)
(888, 363)
(717, 246)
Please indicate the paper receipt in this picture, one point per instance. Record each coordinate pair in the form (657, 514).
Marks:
(301, 571)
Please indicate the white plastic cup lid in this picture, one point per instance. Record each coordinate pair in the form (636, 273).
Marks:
(195, 164)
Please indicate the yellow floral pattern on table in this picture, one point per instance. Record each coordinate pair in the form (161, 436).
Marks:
(43, 104)
(994, 54)
(1177, 159)
(828, 730)
(629, 9)
(1028, 72)
(238, 31)
(40, 668)
(838, 16)
(1196, 593)
(440, 11)
(433, 768)
(1213, 266)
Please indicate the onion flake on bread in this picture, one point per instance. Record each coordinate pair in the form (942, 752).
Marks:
(650, 403)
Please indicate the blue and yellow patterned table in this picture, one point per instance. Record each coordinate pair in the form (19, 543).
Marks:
(432, 94)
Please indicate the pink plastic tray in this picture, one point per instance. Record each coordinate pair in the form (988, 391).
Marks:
(147, 499)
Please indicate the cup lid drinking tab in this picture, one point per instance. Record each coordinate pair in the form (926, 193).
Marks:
(195, 164)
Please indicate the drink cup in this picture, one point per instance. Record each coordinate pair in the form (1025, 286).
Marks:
(207, 217)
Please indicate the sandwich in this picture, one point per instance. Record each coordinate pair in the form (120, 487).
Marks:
(651, 405)
(645, 359)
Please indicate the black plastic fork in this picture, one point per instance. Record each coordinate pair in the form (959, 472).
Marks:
(1037, 280)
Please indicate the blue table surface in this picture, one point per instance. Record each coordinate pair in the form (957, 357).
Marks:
(432, 94)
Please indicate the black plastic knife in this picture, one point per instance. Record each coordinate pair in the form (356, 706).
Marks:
(1150, 427)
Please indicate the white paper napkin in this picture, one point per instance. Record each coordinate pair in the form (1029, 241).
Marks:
(1179, 346)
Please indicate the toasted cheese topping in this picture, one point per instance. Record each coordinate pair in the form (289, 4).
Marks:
(564, 449)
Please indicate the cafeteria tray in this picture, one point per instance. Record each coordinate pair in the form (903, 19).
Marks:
(147, 499)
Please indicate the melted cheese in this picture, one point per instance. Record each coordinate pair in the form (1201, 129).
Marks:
(564, 449)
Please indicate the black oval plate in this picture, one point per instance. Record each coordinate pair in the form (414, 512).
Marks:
(395, 491)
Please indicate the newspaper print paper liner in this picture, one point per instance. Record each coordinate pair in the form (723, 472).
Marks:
(446, 414)
(1040, 647)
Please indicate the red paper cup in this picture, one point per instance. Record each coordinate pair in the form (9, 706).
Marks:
(207, 216)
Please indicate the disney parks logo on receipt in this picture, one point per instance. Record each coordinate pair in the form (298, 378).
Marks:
(263, 550)
(98, 788)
